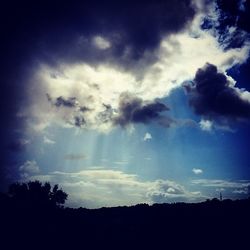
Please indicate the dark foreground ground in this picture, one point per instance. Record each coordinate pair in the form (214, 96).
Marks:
(208, 225)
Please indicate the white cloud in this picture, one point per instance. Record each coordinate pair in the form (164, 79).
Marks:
(229, 188)
(96, 85)
(121, 162)
(170, 191)
(206, 125)
(105, 187)
(222, 183)
(147, 137)
(47, 140)
(101, 43)
(240, 191)
(28, 169)
(197, 171)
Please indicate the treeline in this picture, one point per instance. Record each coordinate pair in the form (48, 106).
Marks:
(41, 221)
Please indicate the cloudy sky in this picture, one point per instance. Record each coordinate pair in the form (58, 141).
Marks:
(125, 103)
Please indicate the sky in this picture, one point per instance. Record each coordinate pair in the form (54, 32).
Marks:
(123, 103)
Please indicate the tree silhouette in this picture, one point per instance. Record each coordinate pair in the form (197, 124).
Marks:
(36, 193)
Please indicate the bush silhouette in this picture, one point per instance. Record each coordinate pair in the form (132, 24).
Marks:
(36, 193)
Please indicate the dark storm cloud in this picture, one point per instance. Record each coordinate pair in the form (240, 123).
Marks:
(59, 30)
(70, 102)
(107, 114)
(79, 121)
(61, 101)
(54, 32)
(84, 109)
(133, 110)
(236, 13)
(212, 96)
